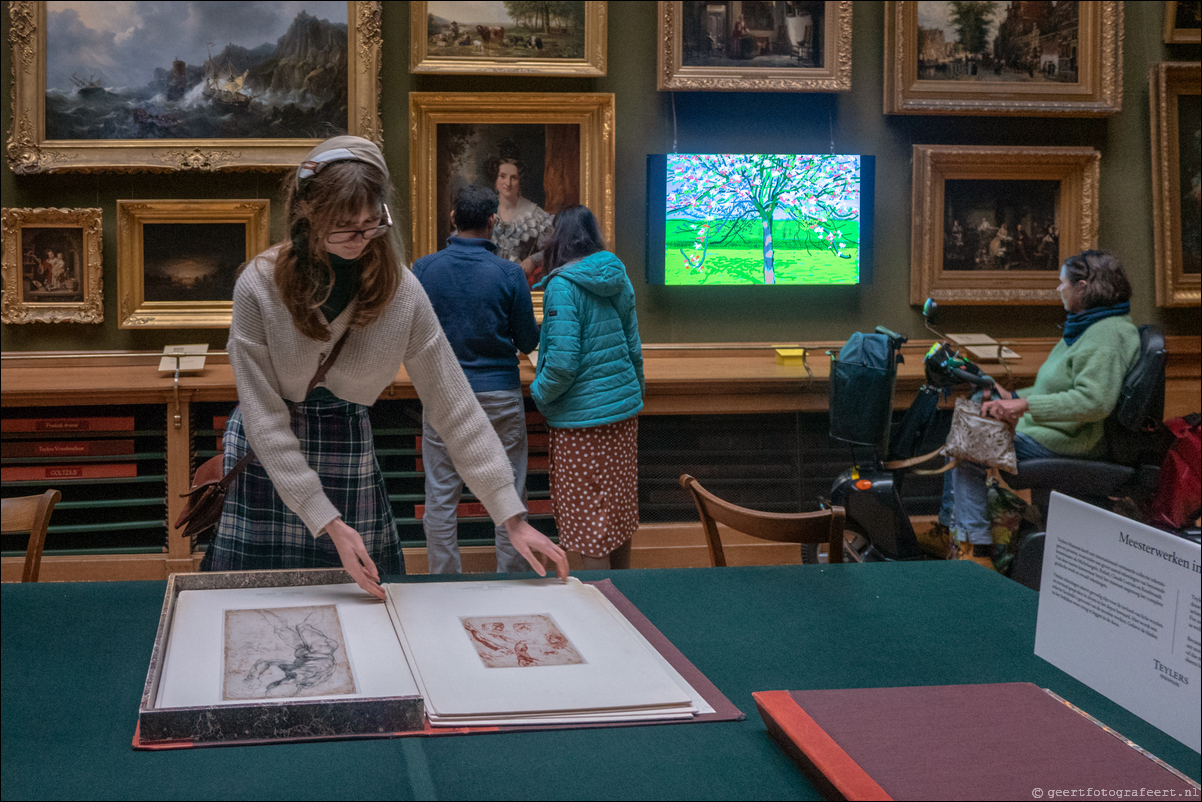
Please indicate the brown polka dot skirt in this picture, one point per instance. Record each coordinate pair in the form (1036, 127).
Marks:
(595, 486)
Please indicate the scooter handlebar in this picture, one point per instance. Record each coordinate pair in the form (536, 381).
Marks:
(899, 339)
(977, 379)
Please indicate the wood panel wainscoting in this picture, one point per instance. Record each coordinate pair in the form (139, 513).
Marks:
(682, 380)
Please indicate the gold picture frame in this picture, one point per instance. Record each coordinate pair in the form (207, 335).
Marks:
(588, 119)
(518, 59)
(1174, 35)
(675, 49)
(188, 283)
(1177, 270)
(52, 266)
(968, 244)
(1079, 71)
(30, 151)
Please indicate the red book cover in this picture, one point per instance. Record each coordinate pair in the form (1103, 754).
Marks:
(219, 422)
(535, 418)
(535, 462)
(66, 448)
(474, 509)
(538, 440)
(33, 473)
(999, 741)
(125, 424)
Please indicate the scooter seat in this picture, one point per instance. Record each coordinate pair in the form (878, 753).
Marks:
(1073, 477)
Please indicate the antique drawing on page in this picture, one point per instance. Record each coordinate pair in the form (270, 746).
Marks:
(285, 652)
(520, 641)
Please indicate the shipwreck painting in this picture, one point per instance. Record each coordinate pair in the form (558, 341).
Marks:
(520, 641)
(284, 653)
(195, 70)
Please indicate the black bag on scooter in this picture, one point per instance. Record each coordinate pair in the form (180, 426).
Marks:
(861, 394)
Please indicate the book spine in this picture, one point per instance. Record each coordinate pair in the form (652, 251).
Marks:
(33, 473)
(123, 424)
(67, 448)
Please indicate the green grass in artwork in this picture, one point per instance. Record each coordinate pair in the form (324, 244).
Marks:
(799, 256)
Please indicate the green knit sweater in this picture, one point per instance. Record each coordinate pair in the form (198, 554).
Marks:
(1078, 386)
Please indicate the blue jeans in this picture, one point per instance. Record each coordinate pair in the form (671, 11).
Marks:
(971, 493)
(444, 487)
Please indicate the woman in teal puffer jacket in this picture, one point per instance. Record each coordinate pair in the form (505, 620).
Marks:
(589, 386)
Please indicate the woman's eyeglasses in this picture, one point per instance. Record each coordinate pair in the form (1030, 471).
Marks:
(375, 232)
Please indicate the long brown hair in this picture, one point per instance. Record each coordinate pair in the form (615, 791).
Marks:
(303, 273)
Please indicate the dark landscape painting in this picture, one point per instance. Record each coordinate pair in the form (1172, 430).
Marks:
(505, 30)
(998, 41)
(752, 34)
(191, 262)
(52, 265)
(1189, 142)
(1000, 225)
(196, 70)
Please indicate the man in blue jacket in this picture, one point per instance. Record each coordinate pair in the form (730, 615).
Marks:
(483, 303)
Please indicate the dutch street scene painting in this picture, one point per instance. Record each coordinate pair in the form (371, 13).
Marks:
(196, 70)
(1018, 41)
(762, 219)
(514, 29)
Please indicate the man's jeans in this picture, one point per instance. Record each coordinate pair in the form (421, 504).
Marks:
(971, 494)
(444, 486)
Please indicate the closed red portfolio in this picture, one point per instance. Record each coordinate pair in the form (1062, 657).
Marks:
(124, 424)
(66, 448)
(474, 509)
(35, 473)
(999, 741)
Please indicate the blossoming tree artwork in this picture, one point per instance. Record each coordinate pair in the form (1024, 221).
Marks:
(762, 219)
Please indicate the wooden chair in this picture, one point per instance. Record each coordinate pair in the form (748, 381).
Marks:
(825, 526)
(30, 514)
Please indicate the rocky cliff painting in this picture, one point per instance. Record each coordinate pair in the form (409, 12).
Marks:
(196, 70)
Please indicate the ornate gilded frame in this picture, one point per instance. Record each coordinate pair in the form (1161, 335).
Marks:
(1174, 35)
(1098, 93)
(593, 64)
(833, 76)
(593, 112)
(29, 151)
(14, 308)
(1077, 170)
(1166, 83)
(133, 310)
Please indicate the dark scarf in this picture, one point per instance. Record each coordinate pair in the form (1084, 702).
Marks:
(1077, 322)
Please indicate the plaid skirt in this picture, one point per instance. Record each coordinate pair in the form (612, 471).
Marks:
(257, 530)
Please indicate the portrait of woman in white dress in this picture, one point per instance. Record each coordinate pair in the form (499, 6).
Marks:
(523, 227)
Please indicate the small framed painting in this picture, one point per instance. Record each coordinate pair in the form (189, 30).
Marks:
(1183, 22)
(1175, 90)
(177, 260)
(52, 266)
(992, 225)
(505, 38)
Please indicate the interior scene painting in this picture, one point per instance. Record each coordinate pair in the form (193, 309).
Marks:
(1189, 140)
(752, 33)
(520, 641)
(535, 170)
(52, 265)
(285, 652)
(1001, 225)
(998, 41)
(207, 70)
(191, 262)
(501, 30)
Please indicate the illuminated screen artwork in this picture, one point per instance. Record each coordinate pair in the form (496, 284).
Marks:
(731, 219)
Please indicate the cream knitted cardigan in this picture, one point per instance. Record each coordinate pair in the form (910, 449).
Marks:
(273, 363)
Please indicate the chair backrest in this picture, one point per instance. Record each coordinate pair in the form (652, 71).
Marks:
(1131, 427)
(29, 514)
(825, 526)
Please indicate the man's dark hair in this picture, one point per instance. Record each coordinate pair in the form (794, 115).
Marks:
(575, 236)
(473, 206)
(1105, 280)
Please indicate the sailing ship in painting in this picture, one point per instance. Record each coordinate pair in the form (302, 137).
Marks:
(290, 85)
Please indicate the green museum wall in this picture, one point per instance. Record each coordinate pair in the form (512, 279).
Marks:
(705, 122)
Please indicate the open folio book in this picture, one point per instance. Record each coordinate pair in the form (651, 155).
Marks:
(480, 654)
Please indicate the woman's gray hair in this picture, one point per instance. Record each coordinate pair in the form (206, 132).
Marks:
(1105, 280)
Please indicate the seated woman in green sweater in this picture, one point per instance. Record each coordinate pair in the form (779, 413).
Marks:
(1075, 389)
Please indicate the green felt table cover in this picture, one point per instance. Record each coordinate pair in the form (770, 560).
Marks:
(74, 660)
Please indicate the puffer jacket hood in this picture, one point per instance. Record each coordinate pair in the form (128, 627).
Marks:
(601, 273)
